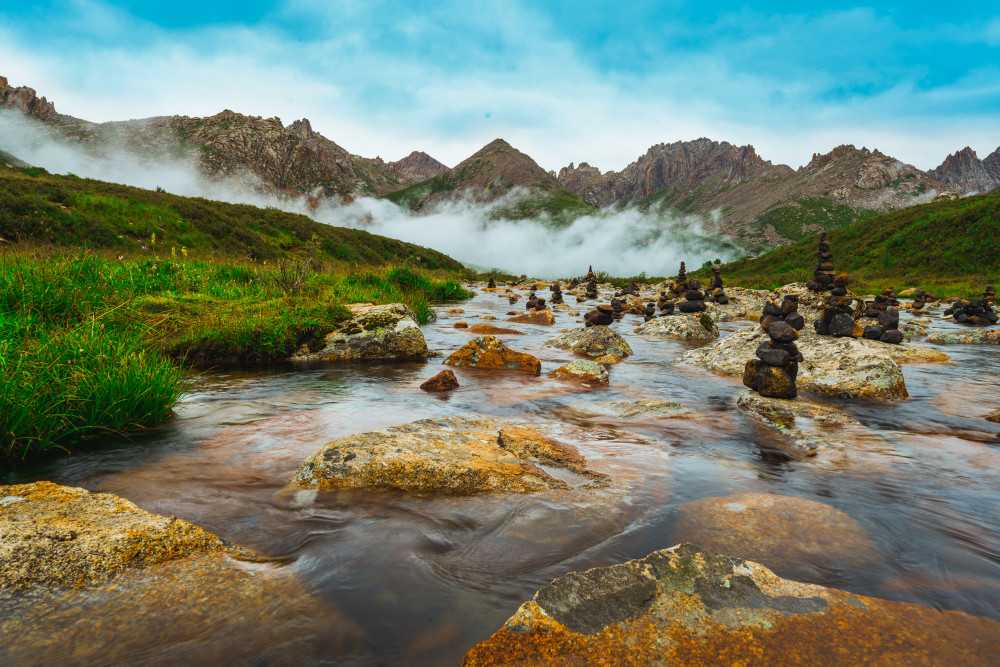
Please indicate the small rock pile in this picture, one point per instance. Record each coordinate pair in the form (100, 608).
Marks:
(694, 298)
(837, 318)
(787, 311)
(556, 292)
(603, 315)
(665, 304)
(618, 308)
(680, 282)
(715, 291)
(887, 329)
(773, 372)
(823, 277)
(976, 312)
(919, 301)
(492, 284)
(534, 302)
(650, 311)
(591, 286)
(990, 295)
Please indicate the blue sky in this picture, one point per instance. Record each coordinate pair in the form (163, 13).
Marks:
(564, 81)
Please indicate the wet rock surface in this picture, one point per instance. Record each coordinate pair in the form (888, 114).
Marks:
(544, 316)
(966, 337)
(681, 606)
(582, 371)
(450, 455)
(697, 328)
(375, 333)
(805, 428)
(489, 353)
(443, 381)
(594, 342)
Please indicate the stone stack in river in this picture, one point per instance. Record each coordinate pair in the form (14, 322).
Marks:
(680, 282)
(823, 277)
(603, 315)
(694, 298)
(919, 301)
(786, 311)
(887, 329)
(617, 308)
(650, 311)
(665, 304)
(591, 286)
(556, 292)
(535, 302)
(837, 318)
(492, 284)
(773, 372)
(975, 312)
(990, 295)
(715, 291)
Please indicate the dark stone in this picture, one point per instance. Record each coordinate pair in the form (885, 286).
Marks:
(796, 321)
(782, 332)
(842, 325)
(772, 356)
(692, 306)
(889, 318)
(893, 336)
(874, 333)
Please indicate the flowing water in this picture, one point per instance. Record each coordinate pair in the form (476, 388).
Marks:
(378, 577)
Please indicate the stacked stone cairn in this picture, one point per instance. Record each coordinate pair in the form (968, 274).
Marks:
(776, 367)
(715, 291)
(837, 318)
(887, 299)
(887, 329)
(492, 284)
(679, 285)
(650, 312)
(975, 312)
(694, 298)
(618, 308)
(591, 286)
(990, 295)
(823, 276)
(556, 292)
(534, 302)
(919, 301)
(603, 315)
(665, 304)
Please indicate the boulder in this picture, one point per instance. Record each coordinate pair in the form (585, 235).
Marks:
(698, 328)
(596, 341)
(545, 317)
(966, 337)
(491, 330)
(682, 606)
(583, 371)
(461, 325)
(451, 455)
(443, 381)
(489, 352)
(63, 537)
(375, 333)
(776, 530)
(803, 427)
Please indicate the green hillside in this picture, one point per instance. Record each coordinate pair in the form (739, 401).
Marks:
(43, 208)
(948, 247)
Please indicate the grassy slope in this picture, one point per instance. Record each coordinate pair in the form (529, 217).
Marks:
(948, 247)
(67, 211)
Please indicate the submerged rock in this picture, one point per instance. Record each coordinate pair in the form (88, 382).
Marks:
(697, 328)
(966, 337)
(443, 381)
(489, 352)
(452, 455)
(61, 536)
(583, 371)
(596, 341)
(491, 330)
(681, 606)
(804, 426)
(545, 317)
(375, 333)
(776, 530)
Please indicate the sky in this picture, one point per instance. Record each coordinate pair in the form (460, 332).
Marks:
(564, 81)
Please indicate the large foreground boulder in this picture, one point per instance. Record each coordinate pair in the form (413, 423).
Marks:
(596, 341)
(452, 455)
(490, 353)
(697, 328)
(375, 333)
(61, 536)
(681, 606)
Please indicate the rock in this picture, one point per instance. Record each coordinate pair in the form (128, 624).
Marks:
(846, 367)
(776, 530)
(451, 455)
(489, 352)
(490, 330)
(443, 381)
(608, 359)
(63, 537)
(966, 337)
(545, 317)
(595, 341)
(993, 417)
(698, 328)
(681, 606)
(461, 325)
(375, 333)
(804, 427)
(770, 380)
(456, 311)
(583, 371)
(647, 407)
(487, 317)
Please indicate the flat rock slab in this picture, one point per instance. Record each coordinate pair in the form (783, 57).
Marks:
(805, 428)
(983, 336)
(61, 536)
(451, 455)
(681, 606)
(593, 342)
(695, 328)
(845, 367)
(375, 333)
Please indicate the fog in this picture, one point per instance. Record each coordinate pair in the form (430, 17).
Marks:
(621, 242)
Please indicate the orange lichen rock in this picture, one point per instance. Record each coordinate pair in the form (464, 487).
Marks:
(452, 455)
(535, 317)
(680, 606)
(60, 536)
(490, 330)
(489, 352)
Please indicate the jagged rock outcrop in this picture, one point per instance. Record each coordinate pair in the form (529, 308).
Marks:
(964, 170)
(415, 167)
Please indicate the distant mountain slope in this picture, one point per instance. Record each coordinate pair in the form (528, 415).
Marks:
(952, 245)
(415, 167)
(38, 207)
(492, 172)
(964, 170)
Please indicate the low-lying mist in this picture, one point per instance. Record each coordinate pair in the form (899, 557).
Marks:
(622, 242)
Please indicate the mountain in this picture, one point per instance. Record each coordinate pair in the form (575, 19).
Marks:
(749, 197)
(496, 170)
(950, 246)
(964, 170)
(292, 159)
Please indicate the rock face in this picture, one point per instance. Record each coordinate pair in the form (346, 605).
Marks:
(453, 455)
(489, 352)
(60, 536)
(775, 529)
(843, 367)
(443, 381)
(699, 328)
(583, 371)
(680, 606)
(593, 342)
(375, 333)
(967, 172)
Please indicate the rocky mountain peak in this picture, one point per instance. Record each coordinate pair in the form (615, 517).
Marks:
(417, 166)
(25, 100)
(964, 170)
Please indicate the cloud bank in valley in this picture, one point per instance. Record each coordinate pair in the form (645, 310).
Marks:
(624, 242)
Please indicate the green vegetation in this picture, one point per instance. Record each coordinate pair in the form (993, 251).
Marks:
(947, 248)
(807, 217)
(39, 207)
